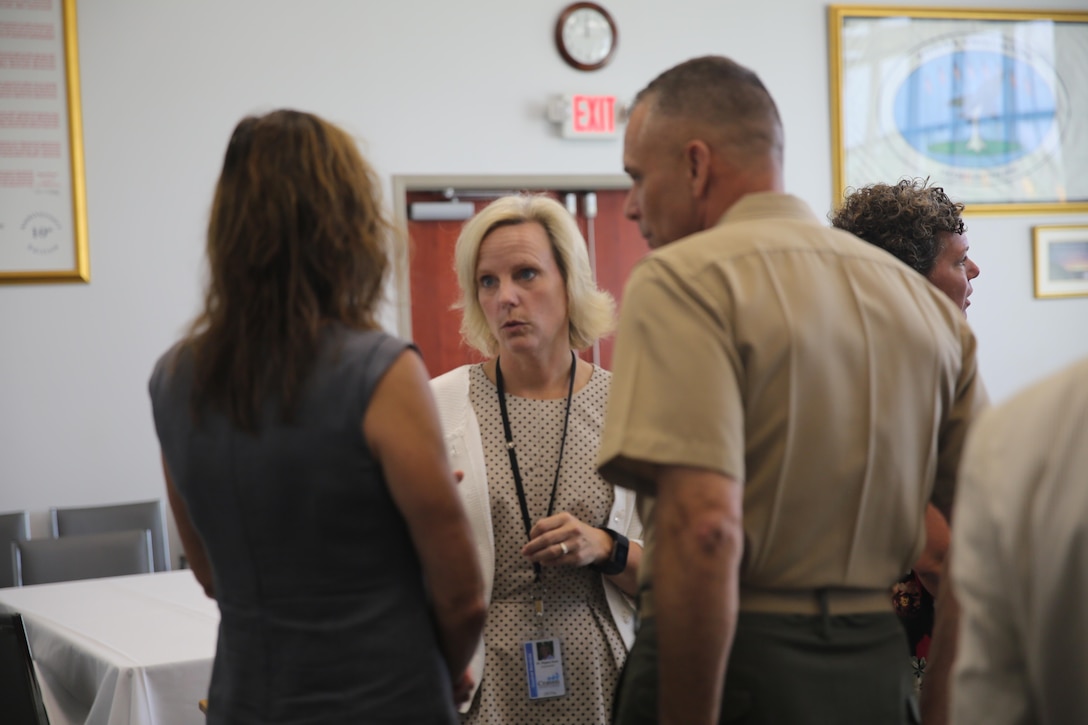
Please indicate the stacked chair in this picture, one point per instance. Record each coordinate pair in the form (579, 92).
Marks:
(14, 526)
(117, 517)
(88, 543)
(91, 556)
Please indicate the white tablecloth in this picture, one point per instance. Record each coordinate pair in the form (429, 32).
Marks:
(132, 650)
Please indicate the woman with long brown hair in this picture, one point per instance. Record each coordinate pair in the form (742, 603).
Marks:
(303, 455)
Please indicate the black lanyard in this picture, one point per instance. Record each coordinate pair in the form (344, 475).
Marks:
(514, 459)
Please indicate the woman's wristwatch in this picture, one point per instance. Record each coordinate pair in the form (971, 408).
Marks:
(617, 562)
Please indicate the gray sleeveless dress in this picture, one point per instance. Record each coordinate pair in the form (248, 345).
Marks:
(324, 614)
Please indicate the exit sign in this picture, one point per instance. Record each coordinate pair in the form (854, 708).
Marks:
(589, 117)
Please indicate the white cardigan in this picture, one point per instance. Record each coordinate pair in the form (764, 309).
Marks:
(466, 451)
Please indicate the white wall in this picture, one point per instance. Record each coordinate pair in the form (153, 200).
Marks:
(432, 88)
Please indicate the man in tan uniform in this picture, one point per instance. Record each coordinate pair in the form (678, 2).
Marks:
(786, 400)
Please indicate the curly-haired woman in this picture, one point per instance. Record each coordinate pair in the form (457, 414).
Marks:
(920, 225)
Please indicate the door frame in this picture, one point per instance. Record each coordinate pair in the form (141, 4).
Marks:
(405, 183)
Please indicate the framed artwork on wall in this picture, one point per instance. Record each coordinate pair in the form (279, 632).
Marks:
(43, 209)
(992, 105)
(1061, 260)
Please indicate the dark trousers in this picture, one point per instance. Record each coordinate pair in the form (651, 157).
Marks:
(787, 669)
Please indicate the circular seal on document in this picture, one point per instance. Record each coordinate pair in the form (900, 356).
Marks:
(42, 231)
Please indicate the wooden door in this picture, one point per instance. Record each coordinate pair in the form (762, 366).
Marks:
(436, 326)
(618, 246)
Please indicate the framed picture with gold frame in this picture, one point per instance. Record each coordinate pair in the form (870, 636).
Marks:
(43, 209)
(1061, 260)
(992, 105)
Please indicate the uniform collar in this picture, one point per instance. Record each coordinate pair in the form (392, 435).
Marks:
(767, 205)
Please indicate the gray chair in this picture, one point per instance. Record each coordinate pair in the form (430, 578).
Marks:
(14, 526)
(90, 556)
(20, 694)
(116, 517)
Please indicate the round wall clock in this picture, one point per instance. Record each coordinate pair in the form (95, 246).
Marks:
(586, 35)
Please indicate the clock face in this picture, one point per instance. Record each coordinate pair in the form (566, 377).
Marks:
(586, 35)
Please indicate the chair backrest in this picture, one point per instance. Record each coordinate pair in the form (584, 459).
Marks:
(116, 553)
(19, 690)
(14, 526)
(116, 517)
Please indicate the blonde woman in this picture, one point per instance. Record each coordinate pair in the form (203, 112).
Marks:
(558, 545)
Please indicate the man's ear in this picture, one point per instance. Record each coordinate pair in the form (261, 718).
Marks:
(697, 157)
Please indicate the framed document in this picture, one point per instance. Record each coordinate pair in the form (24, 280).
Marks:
(43, 214)
(991, 105)
(1061, 260)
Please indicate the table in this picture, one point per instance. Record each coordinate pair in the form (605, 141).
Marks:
(131, 650)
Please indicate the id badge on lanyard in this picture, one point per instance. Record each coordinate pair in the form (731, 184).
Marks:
(544, 668)
(543, 656)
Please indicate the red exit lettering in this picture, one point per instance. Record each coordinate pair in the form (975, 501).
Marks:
(594, 114)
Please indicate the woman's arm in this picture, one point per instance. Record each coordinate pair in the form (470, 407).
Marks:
(402, 428)
(190, 539)
(930, 565)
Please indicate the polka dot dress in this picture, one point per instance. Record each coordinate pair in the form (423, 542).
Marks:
(575, 609)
